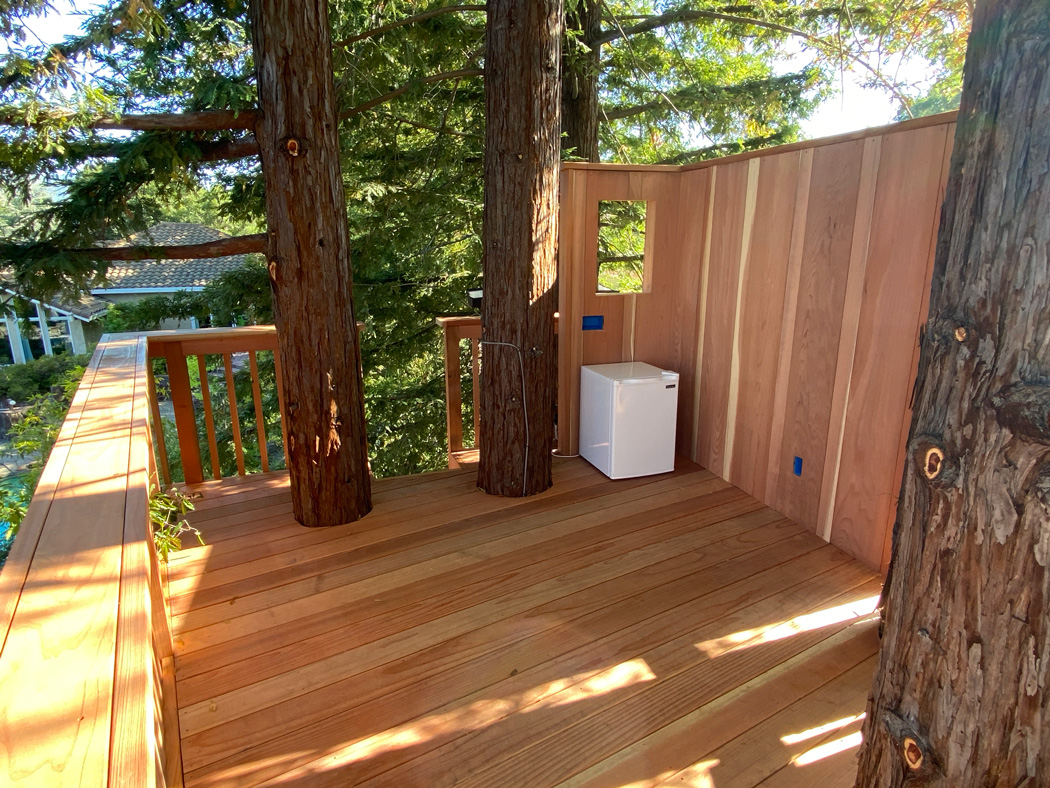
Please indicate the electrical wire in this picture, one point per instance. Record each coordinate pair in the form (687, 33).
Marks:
(524, 406)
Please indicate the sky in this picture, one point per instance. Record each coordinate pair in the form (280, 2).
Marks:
(854, 108)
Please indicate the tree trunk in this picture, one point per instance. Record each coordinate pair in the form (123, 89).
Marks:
(961, 695)
(519, 237)
(579, 86)
(309, 261)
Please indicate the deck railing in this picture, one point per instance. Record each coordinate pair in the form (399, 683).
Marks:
(457, 330)
(200, 367)
(86, 670)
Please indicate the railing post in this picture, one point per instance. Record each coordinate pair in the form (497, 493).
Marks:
(185, 421)
(453, 391)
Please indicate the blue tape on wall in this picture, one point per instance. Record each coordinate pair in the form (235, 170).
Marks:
(798, 466)
(593, 322)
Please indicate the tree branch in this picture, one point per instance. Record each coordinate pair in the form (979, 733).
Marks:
(223, 247)
(229, 150)
(408, 20)
(207, 120)
(461, 74)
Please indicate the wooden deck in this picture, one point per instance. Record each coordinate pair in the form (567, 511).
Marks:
(668, 630)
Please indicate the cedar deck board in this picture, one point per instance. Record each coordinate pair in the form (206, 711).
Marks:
(532, 600)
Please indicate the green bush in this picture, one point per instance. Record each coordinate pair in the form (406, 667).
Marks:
(22, 382)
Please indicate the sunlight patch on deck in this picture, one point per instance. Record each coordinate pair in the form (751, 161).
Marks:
(481, 714)
(834, 747)
(748, 638)
(812, 733)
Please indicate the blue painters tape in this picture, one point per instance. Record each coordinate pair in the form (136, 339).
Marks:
(593, 322)
(798, 466)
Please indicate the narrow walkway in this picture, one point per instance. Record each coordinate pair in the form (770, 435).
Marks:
(667, 630)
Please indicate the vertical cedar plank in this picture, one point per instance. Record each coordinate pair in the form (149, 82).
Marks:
(453, 392)
(751, 197)
(723, 271)
(787, 332)
(701, 311)
(185, 420)
(761, 320)
(902, 233)
(855, 290)
(158, 425)
(235, 423)
(690, 226)
(920, 323)
(209, 419)
(825, 262)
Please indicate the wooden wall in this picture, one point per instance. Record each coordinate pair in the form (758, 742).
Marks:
(789, 287)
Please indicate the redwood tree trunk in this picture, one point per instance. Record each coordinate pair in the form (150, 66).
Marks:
(961, 695)
(579, 87)
(309, 261)
(520, 234)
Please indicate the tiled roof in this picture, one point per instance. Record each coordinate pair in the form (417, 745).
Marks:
(169, 274)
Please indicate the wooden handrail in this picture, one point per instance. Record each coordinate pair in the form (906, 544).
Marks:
(86, 667)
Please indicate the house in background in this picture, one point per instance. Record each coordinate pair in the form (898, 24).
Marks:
(75, 328)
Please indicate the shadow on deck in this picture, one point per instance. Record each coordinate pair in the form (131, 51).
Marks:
(669, 629)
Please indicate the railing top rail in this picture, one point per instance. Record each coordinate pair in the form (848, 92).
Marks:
(70, 651)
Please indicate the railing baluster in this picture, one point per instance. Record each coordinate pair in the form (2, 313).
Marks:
(227, 359)
(475, 393)
(453, 392)
(158, 425)
(260, 422)
(185, 421)
(279, 379)
(209, 419)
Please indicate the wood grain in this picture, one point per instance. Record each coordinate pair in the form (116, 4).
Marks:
(760, 319)
(723, 272)
(882, 369)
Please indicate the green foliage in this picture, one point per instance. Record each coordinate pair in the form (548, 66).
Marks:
(621, 245)
(34, 436)
(23, 382)
(167, 515)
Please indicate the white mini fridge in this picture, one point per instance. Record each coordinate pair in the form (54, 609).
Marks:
(627, 418)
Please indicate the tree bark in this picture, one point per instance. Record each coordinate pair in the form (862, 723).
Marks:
(961, 693)
(519, 239)
(579, 89)
(309, 261)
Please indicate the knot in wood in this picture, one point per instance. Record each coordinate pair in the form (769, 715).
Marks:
(912, 754)
(933, 462)
(292, 146)
(931, 457)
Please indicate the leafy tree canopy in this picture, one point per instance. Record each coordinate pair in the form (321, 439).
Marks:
(658, 81)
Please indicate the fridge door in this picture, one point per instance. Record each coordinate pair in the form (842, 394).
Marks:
(643, 426)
